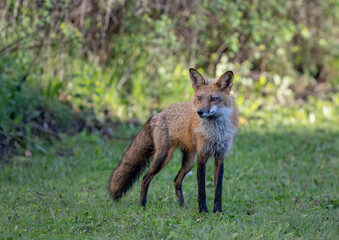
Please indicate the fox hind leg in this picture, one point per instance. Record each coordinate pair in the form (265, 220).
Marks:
(188, 160)
(161, 159)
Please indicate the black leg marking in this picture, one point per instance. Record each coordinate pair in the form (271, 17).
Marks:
(201, 174)
(219, 173)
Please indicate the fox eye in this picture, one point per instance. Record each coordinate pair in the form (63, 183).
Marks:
(213, 99)
(199, 97)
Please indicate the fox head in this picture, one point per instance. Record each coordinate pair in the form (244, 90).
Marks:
(211, 97)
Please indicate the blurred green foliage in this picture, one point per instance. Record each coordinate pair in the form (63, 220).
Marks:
(129, 59)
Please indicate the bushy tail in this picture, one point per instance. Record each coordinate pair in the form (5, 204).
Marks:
(133, 162)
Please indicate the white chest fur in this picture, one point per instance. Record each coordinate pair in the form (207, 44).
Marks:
(218, 133)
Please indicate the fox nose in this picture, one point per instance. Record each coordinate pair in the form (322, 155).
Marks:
(200, 112)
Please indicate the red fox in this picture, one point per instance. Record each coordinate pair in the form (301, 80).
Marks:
(204, 127)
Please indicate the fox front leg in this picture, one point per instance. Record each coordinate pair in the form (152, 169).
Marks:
(201, 175)
(218, 177)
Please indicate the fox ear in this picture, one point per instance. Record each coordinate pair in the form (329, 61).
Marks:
(225, 81)
(197, 79)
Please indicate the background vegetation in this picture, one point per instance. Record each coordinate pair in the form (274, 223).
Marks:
(129, 59)
(70, 66)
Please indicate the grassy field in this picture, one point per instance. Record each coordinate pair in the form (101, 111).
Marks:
(279, 183)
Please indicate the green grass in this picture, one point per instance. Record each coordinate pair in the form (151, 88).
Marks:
(279, 183)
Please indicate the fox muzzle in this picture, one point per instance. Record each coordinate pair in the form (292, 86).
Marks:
(205, 114)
